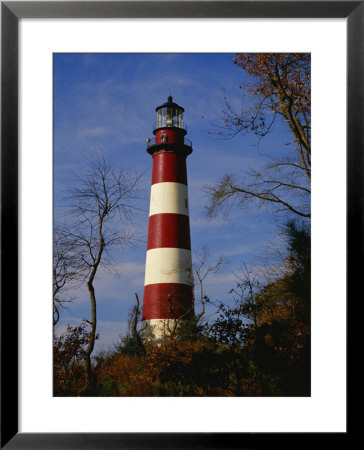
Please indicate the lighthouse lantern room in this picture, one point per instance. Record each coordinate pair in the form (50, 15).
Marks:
(169, 115)
(168, 287)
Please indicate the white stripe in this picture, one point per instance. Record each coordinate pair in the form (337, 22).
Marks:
(155, 330)
(168, 265)
(168, 198)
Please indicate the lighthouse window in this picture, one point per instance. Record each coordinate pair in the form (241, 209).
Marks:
(169, 117)
(179, 119)
(186, 203)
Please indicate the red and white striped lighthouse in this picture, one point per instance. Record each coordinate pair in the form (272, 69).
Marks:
(168, 298)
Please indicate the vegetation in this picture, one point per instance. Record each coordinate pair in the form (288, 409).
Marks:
(260, 346)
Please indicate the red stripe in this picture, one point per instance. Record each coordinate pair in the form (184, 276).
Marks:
(169, 167)
(167, 301)
(169, 230)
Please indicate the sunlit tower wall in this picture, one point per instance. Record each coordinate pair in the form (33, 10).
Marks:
(168, 287)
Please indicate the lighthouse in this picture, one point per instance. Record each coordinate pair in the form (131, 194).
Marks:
(168, 287)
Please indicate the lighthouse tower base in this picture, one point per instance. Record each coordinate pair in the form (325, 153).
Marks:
(156, 331)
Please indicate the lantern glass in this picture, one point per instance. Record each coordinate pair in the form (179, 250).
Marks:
(169, 116)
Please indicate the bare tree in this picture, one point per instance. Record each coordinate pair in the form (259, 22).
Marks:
(279, 87)
(133, 323)
(247, 290)
(102, 204)
(201, 270)
(134, 319)
(65, 272)
(239, 319)
(173, 321)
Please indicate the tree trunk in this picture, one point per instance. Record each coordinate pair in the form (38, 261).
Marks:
(91, 338)
(91, 290)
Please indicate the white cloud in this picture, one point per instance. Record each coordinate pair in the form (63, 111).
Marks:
(221, 279)
(92, 131)
(240, 250)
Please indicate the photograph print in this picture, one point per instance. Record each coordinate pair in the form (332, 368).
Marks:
(181, 224)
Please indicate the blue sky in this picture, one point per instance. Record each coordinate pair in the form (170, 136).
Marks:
(106, 102)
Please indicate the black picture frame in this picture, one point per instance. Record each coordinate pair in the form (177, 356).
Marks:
(11, 12)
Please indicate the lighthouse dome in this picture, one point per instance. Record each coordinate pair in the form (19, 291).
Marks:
(169, 115)
(170, 104)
